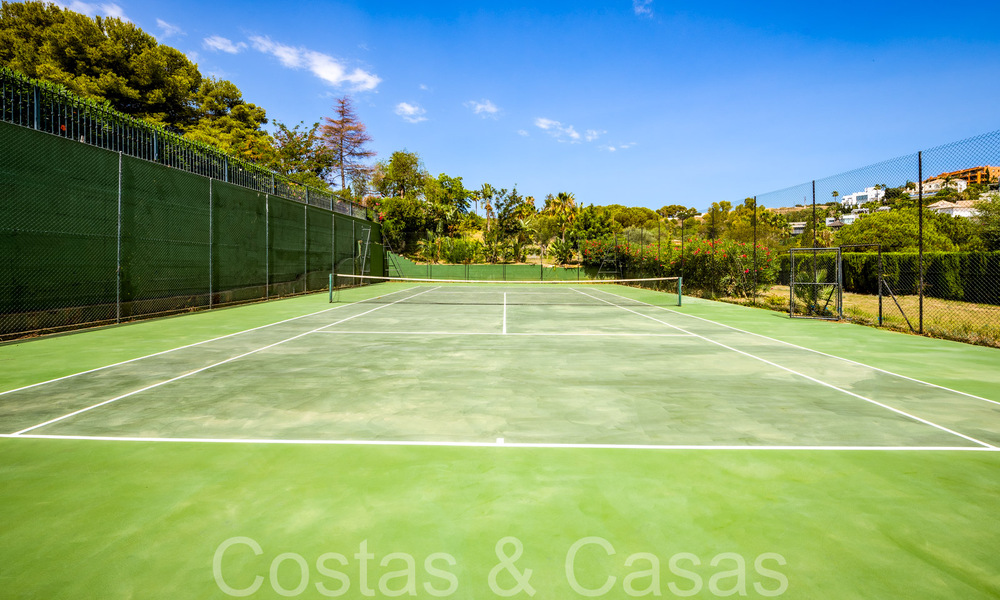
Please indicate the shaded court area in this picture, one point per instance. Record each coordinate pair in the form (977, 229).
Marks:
(612, 436)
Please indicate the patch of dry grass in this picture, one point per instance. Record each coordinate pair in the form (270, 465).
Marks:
(948, 319)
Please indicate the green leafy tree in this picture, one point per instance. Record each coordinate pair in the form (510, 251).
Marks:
(988, 220)
(301, 155)
(224, 120)
(563, 208)
(405, 222)
(104, 59)
(896, 231)
(593, 223)
(402, 175)
(448, 201)
(772, 228)
(713, 223)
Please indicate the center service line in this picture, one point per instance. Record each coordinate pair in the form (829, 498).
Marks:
(505, 313)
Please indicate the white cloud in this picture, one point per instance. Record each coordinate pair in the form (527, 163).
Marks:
(411, 112)
(643, 8)
(593, 134)
(168, 30)
(321, 65)
(485, 109)
(221, 44)
(424, 88)
(558, 130)
(92, 10)
(192, 56)
(522, 133)
(618, 147)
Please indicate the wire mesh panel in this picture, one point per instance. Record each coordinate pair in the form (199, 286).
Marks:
(815, 290)
(58, 232)
(287, 227)
(165, 239)
(344, 245)
(319, 246)
(239, 244)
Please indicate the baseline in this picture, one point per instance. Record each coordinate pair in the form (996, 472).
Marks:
(498, 444)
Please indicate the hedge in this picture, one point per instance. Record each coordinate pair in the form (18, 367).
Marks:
(965, 276)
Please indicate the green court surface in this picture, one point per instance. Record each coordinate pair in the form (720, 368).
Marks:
(433, 440)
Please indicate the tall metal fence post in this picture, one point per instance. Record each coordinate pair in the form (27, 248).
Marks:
(305, 248)
(267, 247)
(37, 102)
(755, 250)
(118, 265)
(814, 213)
(682, 246)
(210, 239)
(920, 236)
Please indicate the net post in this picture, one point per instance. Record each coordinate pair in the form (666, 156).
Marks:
(680, 290)
(331, 288)
(920, 236)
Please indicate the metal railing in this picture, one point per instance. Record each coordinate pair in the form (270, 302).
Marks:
(47, 107)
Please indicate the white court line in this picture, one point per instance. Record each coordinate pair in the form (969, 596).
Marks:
(497, 444)
(205, 368)
(803, 375)
(505, 313)
(821, 353)
(222, 337)
(525, 334)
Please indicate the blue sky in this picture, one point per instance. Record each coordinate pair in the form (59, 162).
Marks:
(636, 102)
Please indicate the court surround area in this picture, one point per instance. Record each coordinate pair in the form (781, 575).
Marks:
(431, 417)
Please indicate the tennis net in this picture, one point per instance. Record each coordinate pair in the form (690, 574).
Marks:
(659, 291)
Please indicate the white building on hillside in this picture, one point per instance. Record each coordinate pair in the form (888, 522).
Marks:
(934, 186)
(962, 208)
(858, 198)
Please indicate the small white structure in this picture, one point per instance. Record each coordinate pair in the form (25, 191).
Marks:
(962, 208)
(849, 218)
(871, 194)
(798, 227)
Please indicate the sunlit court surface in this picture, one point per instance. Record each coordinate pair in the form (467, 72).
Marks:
(435, 439)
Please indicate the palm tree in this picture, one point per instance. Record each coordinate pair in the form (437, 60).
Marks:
(563, 207)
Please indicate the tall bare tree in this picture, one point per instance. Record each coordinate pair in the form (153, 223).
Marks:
(346, 137)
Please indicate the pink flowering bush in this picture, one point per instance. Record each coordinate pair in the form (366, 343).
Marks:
(712, 267)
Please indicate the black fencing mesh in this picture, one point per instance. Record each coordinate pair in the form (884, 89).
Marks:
(920, 236)
(165, 238)
(58, 232)
(90, 236)
(319, 247)
(239, 244)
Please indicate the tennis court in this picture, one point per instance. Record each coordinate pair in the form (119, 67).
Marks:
(438, 439)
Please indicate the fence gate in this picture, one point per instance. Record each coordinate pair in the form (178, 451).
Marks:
(816, 284)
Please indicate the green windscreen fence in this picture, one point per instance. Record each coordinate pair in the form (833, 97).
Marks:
(90, 236)
(399, 266)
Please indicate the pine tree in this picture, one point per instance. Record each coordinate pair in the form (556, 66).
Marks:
(346, 137)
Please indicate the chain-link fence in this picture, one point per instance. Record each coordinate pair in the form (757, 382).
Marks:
(93, 236)
(920, 236)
